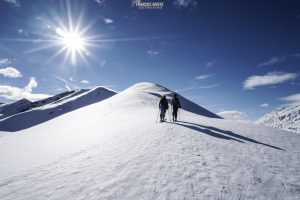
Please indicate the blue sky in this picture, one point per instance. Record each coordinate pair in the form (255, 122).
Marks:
(240, 58)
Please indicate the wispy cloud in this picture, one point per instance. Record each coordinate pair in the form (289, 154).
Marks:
(297, 55)
(15, 93)
(153, 53)
(102, 63)
(68, 84)
(203, 77)
(292, 99)
(68, 88)
(188, 4)
(270, 78)
(264, 105)
(100, 2)
(14, 2)
(197, 87)
(85, 82)
(232, 114)
(108, 21)
(210, 64)
(25, 33)
(157, 48)
(10, 72)
(5, 61)
(272, 61)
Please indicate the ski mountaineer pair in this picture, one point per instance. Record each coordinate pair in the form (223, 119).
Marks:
(164, 106)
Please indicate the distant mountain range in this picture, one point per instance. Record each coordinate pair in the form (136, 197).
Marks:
(24, 113)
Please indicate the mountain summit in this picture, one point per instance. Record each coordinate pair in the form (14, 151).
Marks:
(150, 94)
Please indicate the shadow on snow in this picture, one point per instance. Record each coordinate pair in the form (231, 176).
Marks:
(222, 134)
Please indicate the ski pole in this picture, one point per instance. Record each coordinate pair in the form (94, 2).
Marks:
(178, 113)
(171, 116)
(157, 115)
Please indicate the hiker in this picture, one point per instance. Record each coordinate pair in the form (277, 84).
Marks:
(176, 105)
(164, 106)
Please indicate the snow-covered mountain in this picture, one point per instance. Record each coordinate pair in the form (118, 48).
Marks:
(24, 114)
(286, 118)
(23, 105)
(114, 149)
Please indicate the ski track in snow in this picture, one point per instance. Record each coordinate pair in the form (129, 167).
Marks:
(192, 159)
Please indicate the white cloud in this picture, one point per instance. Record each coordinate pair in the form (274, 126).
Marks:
(264, 105)
(14, 2)
(10, 72)
(32, 84)
(108, 20)
(198, 87)
(203, 77)
(292, 99)
(100, 2)
(270, 78)
(232, 114)
(210, 63)
(190, 4)
(15, 93)
(85, 82)
(71, 79)
(272, 61)
(5, 61)
(152, 53)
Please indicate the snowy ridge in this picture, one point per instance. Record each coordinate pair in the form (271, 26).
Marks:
(24, 105)
(159, 91)
(114, 149)
(285, 118)
(15, 107)
(34, 113)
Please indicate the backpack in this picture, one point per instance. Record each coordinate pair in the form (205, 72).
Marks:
(176, 103)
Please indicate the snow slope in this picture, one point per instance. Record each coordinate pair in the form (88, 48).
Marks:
(23, 105)
(15, 107)
(285, 118)
(24, 114)
(114, 149)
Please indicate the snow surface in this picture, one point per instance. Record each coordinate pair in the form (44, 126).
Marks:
(114, 149)
(285, 118)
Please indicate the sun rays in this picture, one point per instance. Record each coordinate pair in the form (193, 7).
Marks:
(68, 36)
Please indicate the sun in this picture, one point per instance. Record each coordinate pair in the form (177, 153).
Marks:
(73, 42)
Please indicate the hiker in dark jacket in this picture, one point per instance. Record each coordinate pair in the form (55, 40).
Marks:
(176, 105)
(164, 106)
